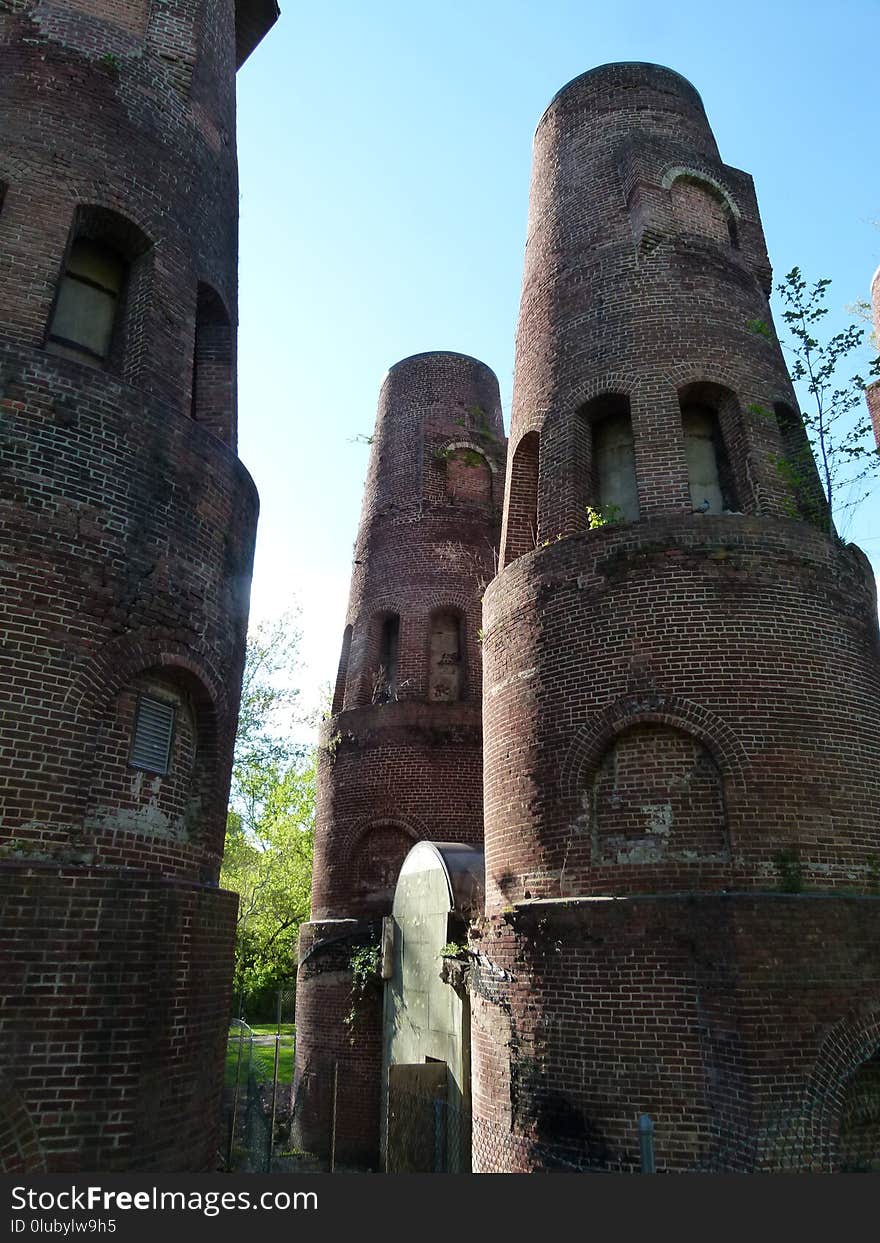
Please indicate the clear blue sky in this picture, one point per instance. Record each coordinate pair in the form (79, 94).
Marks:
(385, 152)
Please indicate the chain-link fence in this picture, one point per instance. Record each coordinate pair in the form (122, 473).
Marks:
(257, 1094)
(426, 1135)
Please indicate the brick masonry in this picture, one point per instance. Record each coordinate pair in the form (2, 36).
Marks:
(126, 541)
(679, 712)
(400, 766)
(679, 703)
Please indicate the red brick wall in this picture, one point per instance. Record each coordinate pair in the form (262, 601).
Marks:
(338, 1033)
(126, 544)
(391, 774)
(734, 1021)
(117, 991)
(754, 638)
(672, 706)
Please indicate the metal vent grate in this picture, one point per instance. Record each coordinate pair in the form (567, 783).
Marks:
(151, 747)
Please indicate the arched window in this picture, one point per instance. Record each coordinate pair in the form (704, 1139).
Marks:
(88, 302)
(213, 383)
(605, 460)
(386, 675)
(100, 310)
(522, 499)
(446, 672)
(711, 477)
(342, 672)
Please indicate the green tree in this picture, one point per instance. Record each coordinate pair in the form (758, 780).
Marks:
(836, 420)
(269, 834)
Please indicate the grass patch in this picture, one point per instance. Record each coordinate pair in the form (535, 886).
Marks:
(260, 1058)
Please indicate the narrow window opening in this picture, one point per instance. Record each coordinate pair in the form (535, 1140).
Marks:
(87, 304)
(385, 682)
(710, 477)
(153, 731)
(446, 680)
(614, 469)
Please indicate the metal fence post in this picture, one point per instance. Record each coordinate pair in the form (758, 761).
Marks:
(646, 1144)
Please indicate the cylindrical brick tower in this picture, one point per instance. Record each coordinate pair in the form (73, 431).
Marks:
(126, 537)
(681, 689)
(400, 757)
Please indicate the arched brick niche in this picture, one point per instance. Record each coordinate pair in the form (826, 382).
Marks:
(468, 476)
(521, 526)
(155, 769)
(447, 672)
(378, 856)
(702, 206)
(342, 671)
(213, 380)
(715, 448)
(657, 794)
(605, 459)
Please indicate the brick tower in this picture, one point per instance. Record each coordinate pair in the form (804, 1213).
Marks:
(682, 688)
(400, 757)
(126, 527)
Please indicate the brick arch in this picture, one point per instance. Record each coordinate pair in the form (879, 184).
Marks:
(474, 447)
(702, 176)
(116, 666)
(807, 1130)
(116, 662)
(20, 1150)
(374, 877)
(591, 741)
(609, 384)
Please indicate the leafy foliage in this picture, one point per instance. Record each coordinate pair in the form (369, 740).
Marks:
(837, 424)
(603, 516)
(269, 832)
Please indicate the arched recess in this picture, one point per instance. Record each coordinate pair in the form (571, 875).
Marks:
(213, 379)
(858, 1138)
(447, 680)
(836, 1118)
(591, 741)
(605, 459)
(797, 468)
(715, 448)
(385, 676)
(468, 475)
(342, 672)
(522, 499)
(378, 854)
(100, 312)
(155, 763)
(701, 205)
(657, 794)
